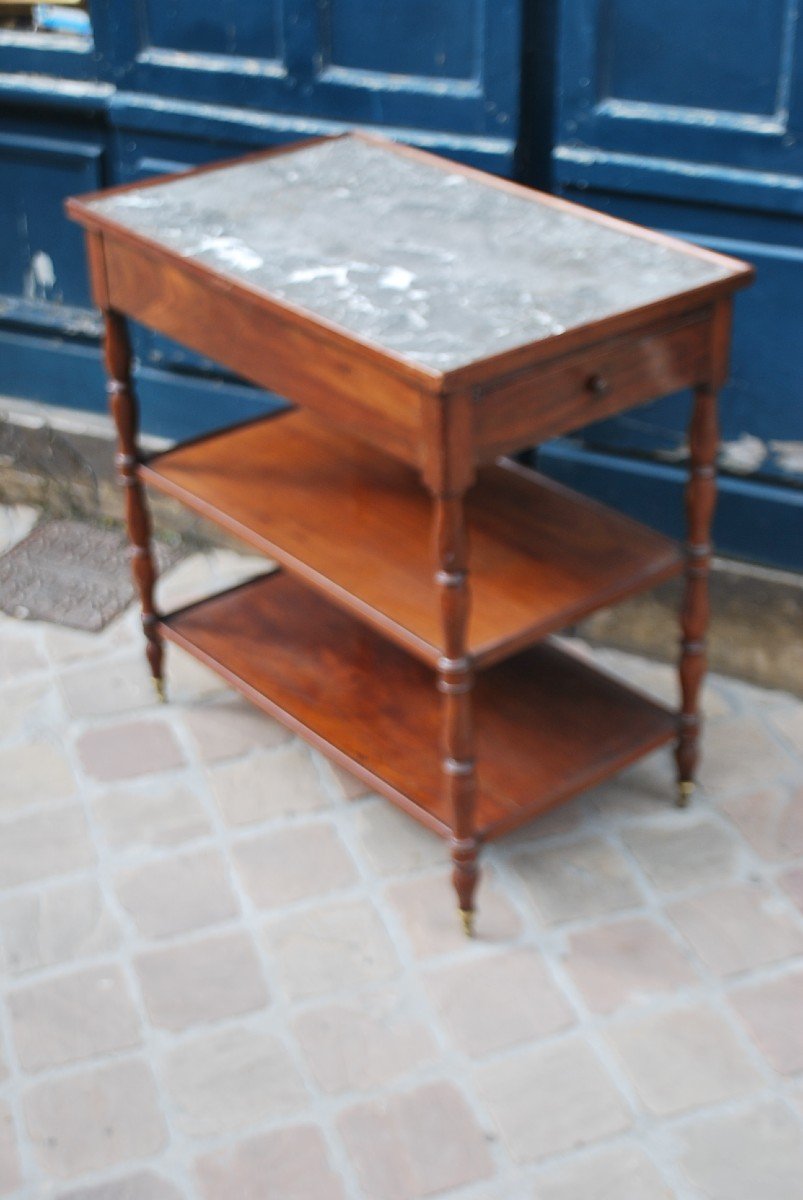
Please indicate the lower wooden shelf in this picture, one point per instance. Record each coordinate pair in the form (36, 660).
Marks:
(548, 724)
(357, 525)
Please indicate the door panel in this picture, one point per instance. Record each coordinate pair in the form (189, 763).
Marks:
(712, 82)
(687, 117)
(43, 277)
(667, 54)
(407, 37)
(426, 64)
(222, 27)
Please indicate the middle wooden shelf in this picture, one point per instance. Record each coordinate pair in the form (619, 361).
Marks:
(356, 524)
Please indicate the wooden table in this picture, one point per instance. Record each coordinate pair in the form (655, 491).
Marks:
(427, 319)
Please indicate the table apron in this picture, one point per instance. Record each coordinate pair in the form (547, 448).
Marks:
(279, 352)
(591, 384)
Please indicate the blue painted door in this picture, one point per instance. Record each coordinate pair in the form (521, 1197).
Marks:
(688, 116)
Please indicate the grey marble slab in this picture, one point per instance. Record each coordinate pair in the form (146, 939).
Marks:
(436, 267)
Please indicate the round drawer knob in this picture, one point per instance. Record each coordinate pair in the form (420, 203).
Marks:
(598, 385)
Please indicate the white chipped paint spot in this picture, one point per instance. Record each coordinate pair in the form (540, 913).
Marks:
(743, 455)
(454, 181)
(789, 456)
(673, 454)
(231, 251)
(397, 278)
(39, 277)
(42, 270)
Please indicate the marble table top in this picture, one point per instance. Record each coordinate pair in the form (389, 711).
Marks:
(437, 267)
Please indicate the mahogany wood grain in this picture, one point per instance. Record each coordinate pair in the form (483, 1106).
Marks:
(700, 503)
(591, 384)
(448, 436)
(355, 523)
(721, 329)
(123, 405)
(97, 270)
(547, 724)
(455, 682)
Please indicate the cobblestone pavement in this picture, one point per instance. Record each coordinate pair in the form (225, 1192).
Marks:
(231, 974)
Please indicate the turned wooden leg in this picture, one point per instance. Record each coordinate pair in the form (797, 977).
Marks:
(123, 405)
(455, 684)
(700, 501)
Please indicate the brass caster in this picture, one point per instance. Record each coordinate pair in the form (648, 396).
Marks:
(159, 688)
(467, 918)
(685, 793)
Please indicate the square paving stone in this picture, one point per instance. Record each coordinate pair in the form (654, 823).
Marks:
(273, 783)
(295, 1160)
(231, 1079)
(177, 894)
(294, 863)
(504, 1000)
(755, 1154)
(578, 879)
(89, 1120)
(10, 1169)
(81, 1015)
(771, 820)
(144, 1185)
(690, 853)
(683, 1059)
(230, 727)
(772, 1012)
(33, 772)
(737, 928)
(363, 1042)
(44, 844)
(552, 1099)
(416, 1143)
(129, 750)
(55, 924)
(625, 962)
(205, 980)
(145, 815)
(618, 1173)
(334, 947)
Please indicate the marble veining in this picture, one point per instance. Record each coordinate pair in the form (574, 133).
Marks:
(438, 268)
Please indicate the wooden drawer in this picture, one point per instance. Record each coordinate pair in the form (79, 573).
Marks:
(589, 384)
